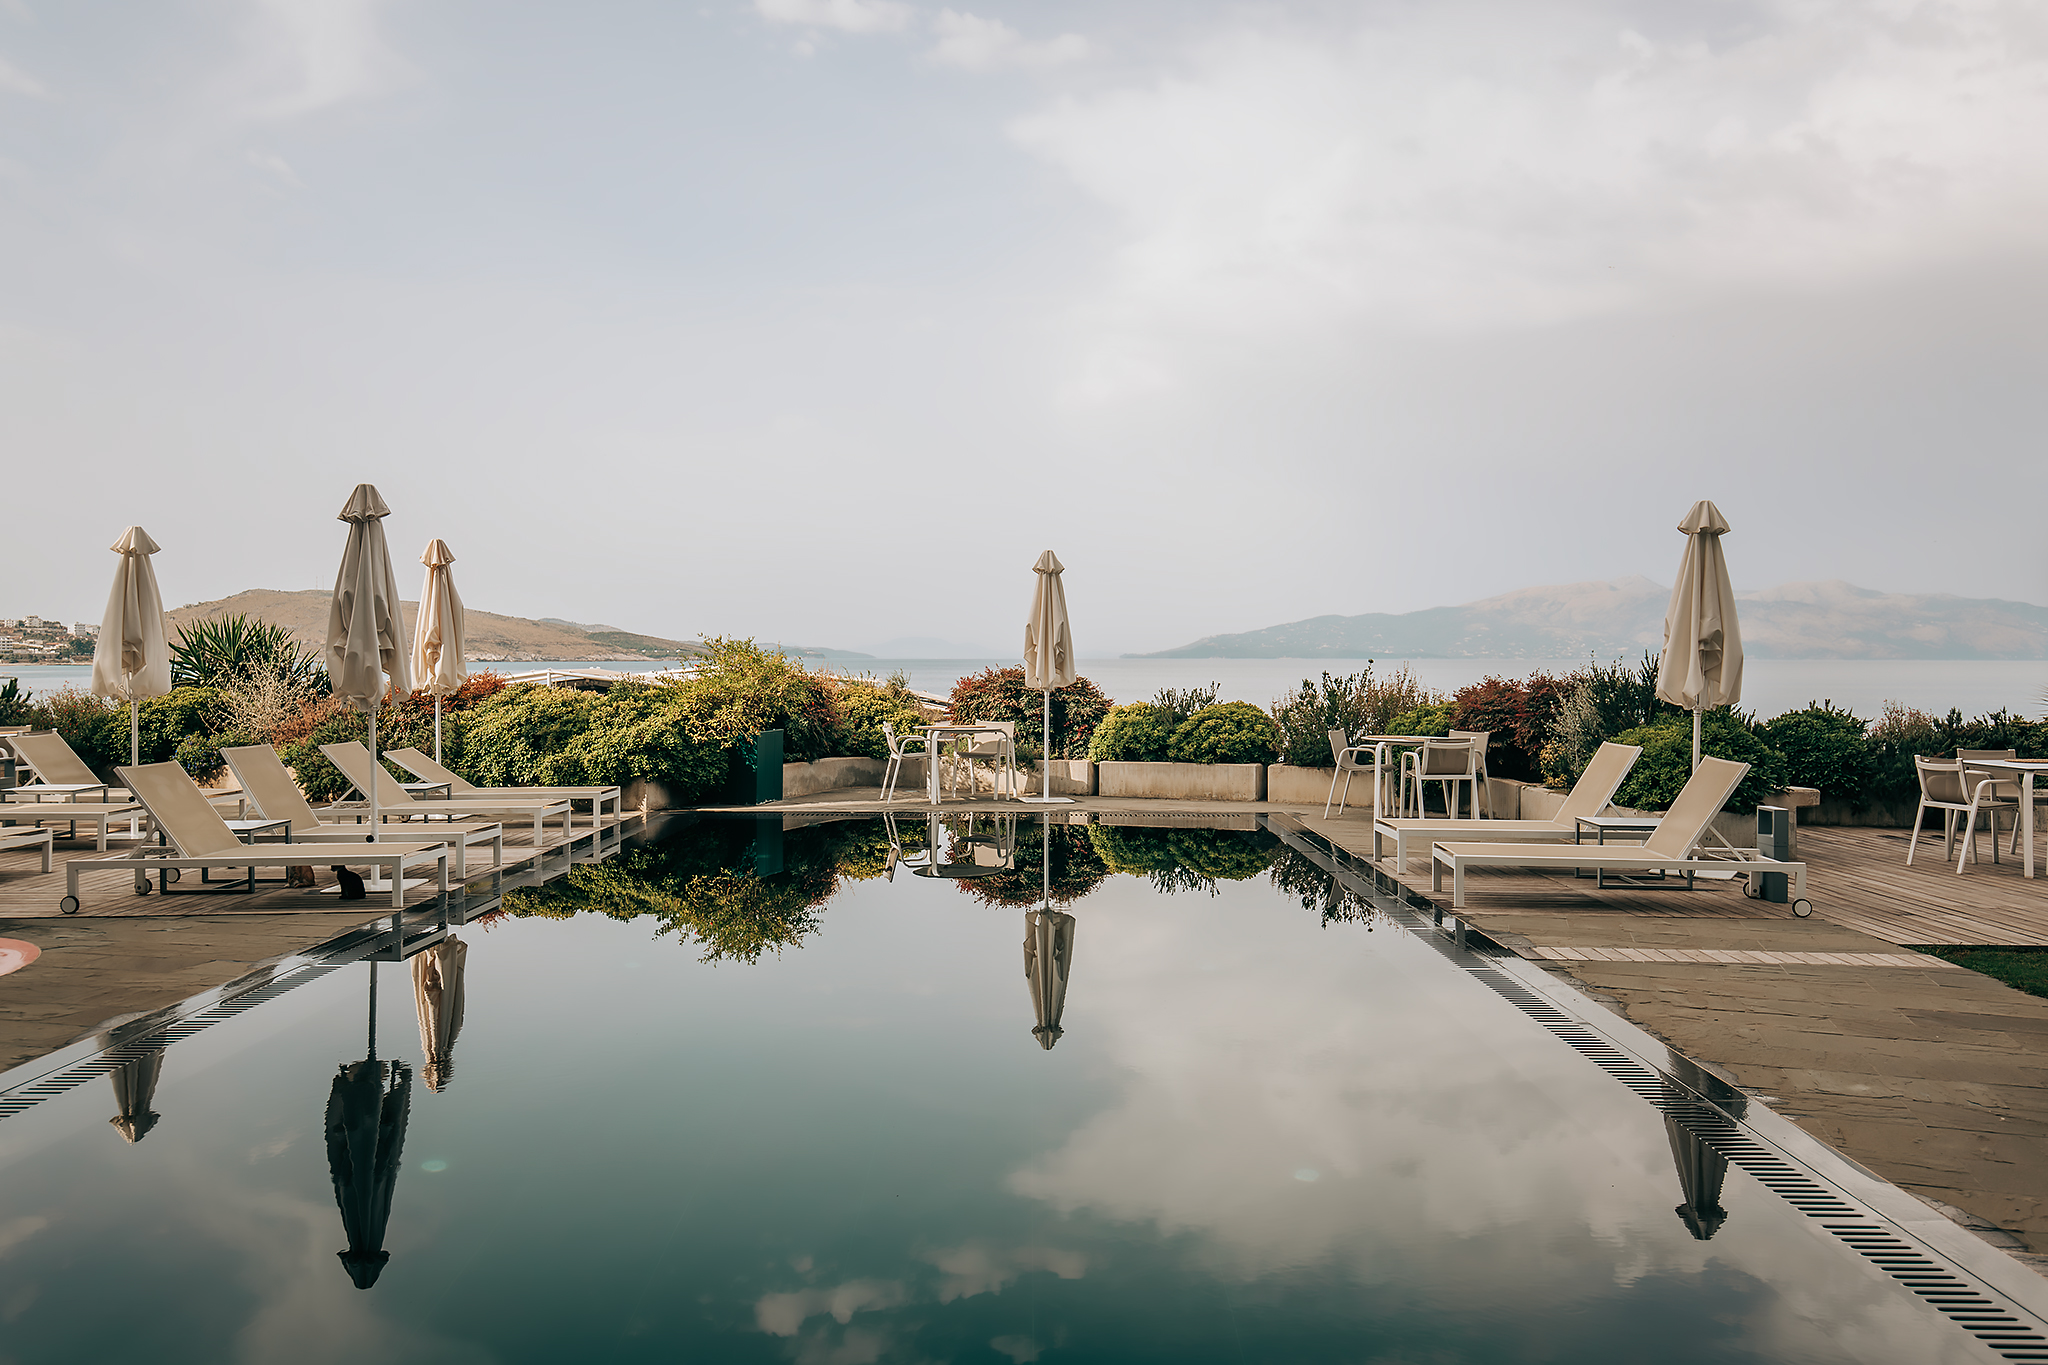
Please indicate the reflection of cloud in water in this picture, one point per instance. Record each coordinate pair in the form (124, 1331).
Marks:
(783, 1315)
(1023, 1350)
(977, 1268)
(1449, 1137)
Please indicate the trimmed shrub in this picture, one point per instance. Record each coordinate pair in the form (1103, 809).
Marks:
(1666, 764)
(863, 708)
(1825, 748)
(743, 689)
(1234, 732)
(1182, 702)
(1518, 714)
(1433, 719)
(1138, 733)
(1000, 694)
(1360, 704)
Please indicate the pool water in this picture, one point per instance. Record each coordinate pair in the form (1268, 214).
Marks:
(749, 1094)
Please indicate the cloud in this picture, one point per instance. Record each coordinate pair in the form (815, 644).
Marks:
(276, 168)
(848, 16)
(973, 43)
(15, 81)
(1458, 167)
(309, 55)
(783, 1315)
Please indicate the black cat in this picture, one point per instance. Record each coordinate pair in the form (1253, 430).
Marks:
(351, 884)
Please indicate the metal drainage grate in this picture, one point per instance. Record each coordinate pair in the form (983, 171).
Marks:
(1965, 1301)
(25, 1097)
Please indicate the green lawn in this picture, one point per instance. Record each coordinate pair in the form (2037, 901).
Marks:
(2024, 969)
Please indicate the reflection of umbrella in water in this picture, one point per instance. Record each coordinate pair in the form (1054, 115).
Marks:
(1701, 1168)
(134, 1091)
(437, 996)
(1048, 954)
(367, 1109)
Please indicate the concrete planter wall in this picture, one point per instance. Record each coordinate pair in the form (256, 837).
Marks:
(1070, 777)
(830, 774)
(1183, 781)
(1288, 785)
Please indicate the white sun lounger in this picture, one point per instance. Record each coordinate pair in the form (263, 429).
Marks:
(395, 803)
(12, 839)
(201, 839)
(1669, 849)
(461, 789)
(1589, 796)
(271, 789)
(99, 814)
(59, 771)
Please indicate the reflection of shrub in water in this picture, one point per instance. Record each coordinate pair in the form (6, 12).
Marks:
(1184, 859)
(705, 886)
(1076, 869)
(1318, 890)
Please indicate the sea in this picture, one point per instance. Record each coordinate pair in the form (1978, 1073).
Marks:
(1770, 686)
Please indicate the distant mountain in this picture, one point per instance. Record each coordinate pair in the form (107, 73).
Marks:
(1827, 620)
(490, 638)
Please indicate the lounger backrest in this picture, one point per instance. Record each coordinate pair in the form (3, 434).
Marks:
(1699, 801)
(180, 809)
(1601, 780)
(426, 770)
(270, 785)
(53, 759)
(354, 761)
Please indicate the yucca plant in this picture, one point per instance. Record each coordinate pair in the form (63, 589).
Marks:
(224, 652)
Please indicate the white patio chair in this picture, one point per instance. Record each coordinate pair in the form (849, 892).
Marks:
(997, 746)
(1448, 761)
(1945, 787)
(1349, 765)
(1483, 804)
(900, 748)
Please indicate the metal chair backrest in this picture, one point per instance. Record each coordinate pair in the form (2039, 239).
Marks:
(1941, 781)
(270, 785)
(1448, 758)
(55, 761)
(987, 745)
(1339, 742)
(893, 740)
(1480, 739)
(180, 809)
(1699, 801)
(1603, 777)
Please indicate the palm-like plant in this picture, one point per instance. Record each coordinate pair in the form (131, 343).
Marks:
(220, 653)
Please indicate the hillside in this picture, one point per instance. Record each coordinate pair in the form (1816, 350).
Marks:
(491, 638)
(1622, 618)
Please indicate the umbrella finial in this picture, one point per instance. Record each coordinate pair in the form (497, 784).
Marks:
(365, 504)
(1049, 563)
(437, 554)
(134, 541)
(1706, 517)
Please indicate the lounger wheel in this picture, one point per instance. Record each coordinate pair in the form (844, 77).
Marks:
(174, 873)
(1802, 908)
(142, 887)
(69, 905)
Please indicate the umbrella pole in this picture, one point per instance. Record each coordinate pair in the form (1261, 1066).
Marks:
(1695, 739)
(437, 728)
(373, 1009)
(134, 733)
(375, 763)
(1047, 818)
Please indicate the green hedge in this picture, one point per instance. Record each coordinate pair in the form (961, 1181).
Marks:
(1234, 732)
(1666, 764)
(1138, 733)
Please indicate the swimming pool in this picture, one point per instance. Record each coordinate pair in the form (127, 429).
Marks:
(754, 1093)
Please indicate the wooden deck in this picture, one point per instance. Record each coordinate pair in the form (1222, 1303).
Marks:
(1856, 878)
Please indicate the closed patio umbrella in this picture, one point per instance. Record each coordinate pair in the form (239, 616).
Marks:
(363, 622)
(134, 1092)
(131, 662)
(1701, 667)
(1048, 953)
(437, 653)
(368, 1107)
(437, 997)
(1048, 657)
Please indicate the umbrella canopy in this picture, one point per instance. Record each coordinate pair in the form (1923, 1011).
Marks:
(1701, 667)
(134, 1091)
(131, 662)
(365, 1134)
(363, 623)
(437, 652)
(1048, 642)
(437, 997)
(1048, 953)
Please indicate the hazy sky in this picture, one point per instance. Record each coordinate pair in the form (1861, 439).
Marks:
(817, 320)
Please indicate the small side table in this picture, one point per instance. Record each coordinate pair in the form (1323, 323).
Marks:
(1632, 827)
